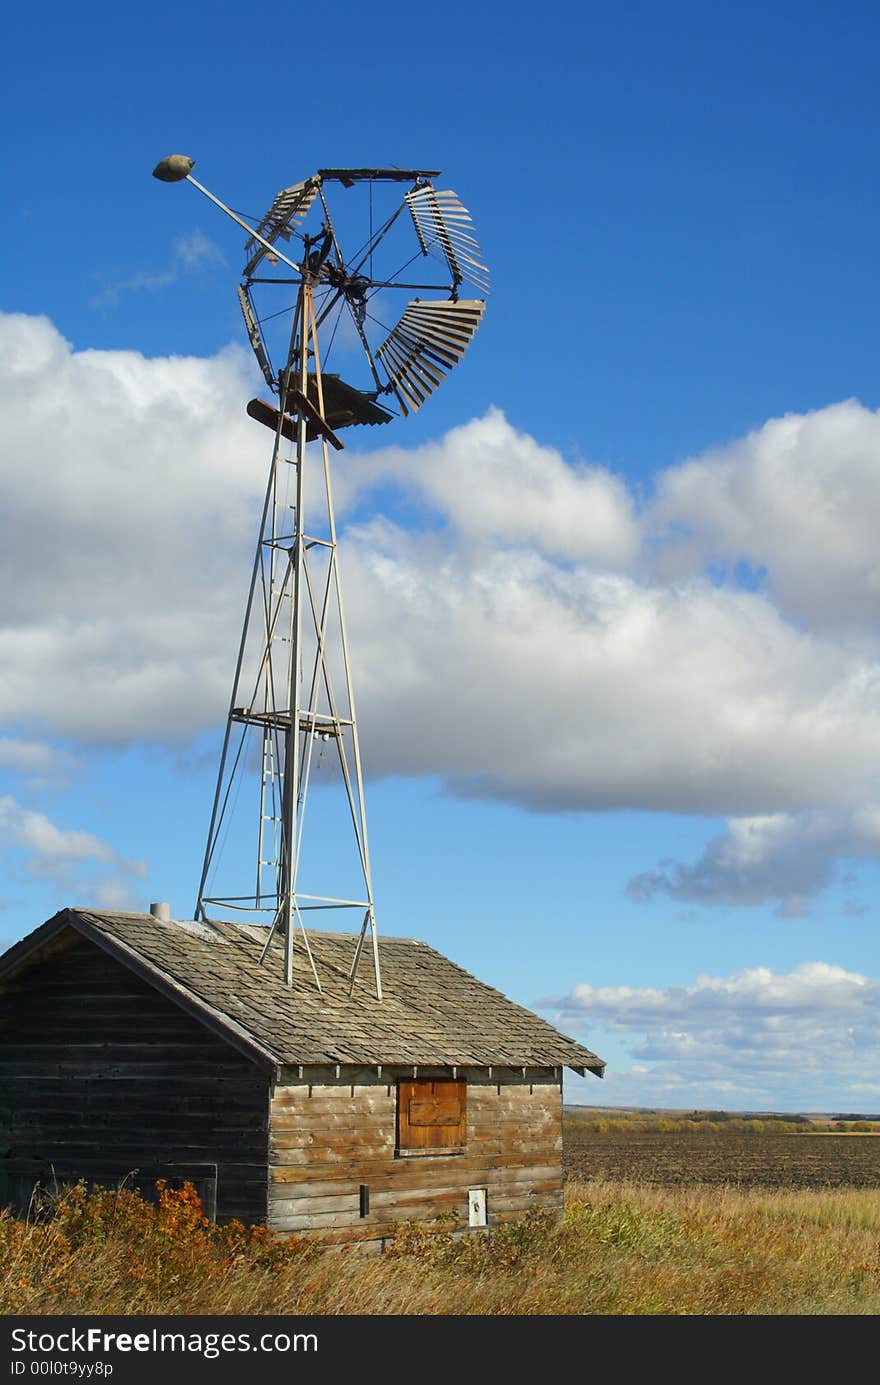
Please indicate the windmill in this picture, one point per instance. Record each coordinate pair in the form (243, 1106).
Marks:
(292, 695)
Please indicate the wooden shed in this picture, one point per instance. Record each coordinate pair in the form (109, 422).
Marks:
(134, 1048)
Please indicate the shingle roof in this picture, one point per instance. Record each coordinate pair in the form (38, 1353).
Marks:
(432, 1013)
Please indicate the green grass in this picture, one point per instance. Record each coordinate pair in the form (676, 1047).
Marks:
(619, 1249)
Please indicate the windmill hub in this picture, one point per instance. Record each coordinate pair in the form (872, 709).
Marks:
(354, 285)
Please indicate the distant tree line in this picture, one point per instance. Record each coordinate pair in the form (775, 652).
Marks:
(716, 1122)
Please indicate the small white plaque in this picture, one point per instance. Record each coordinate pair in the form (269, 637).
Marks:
(477, 1207)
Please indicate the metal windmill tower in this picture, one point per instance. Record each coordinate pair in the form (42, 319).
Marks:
(292, 694)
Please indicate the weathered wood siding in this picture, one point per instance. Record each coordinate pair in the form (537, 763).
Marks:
(101, 1075)
(329, 1135)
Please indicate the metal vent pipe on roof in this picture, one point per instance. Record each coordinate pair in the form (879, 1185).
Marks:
(161, 911)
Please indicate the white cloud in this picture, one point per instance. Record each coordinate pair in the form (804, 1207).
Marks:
(758, 1038)
(568, 688)
(813, 987)
(55, 853)
(542, 641)
(44, 766)
(114, 892)
(780, 858)
(798, 497)
(35, 832)
(192, 250)
(129, 493)
(497, 486)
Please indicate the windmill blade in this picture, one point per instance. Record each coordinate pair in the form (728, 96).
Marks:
(442, 223)
(429, 340)
(290, 206)
(255, 335)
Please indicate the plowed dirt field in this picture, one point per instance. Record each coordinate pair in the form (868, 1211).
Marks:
(769, 1161)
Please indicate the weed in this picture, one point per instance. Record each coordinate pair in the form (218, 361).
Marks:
(620, 1248)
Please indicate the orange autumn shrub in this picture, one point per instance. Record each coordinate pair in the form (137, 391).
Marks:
(143, 1247)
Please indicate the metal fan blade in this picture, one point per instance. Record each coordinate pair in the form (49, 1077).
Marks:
(255, 335)
(290, 206)
(430, 335)
(443, 224)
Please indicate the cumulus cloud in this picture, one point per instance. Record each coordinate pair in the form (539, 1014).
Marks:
(570, 688)
(810, 1034)
(812, 988)
(540, 638)
(781, 858)
(797, 499)
(129, 492)
(496, 485)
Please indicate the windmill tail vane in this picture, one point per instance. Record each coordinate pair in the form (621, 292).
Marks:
(292, 700)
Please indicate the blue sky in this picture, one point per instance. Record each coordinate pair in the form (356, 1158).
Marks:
(635, 533)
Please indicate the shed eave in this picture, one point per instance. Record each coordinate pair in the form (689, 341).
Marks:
(597, 1069)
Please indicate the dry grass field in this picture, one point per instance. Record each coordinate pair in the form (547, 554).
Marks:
(654, 1224)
